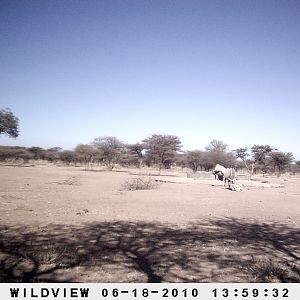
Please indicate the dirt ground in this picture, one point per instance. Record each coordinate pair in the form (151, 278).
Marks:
(67, 224)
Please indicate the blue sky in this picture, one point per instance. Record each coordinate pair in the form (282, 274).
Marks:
(202, 70)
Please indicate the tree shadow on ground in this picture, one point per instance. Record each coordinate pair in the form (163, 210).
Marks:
(222, 250)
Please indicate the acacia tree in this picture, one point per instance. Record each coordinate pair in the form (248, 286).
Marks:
(136, 153)
(243, 154)
(111, 150)
(195, 159)
(280, 161)
(216, 146)
(162, 149)
(85, 153)
(9, 124)
(68, 157)
(38, 152)
(209, 160)
(261, 154)
(217, 153)
(52, 154)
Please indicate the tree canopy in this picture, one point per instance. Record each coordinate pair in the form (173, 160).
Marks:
(110, 148)
(281, 160)
(216, 145)
(217, 153)
(162, 149)
(9, 123)
(260, 154)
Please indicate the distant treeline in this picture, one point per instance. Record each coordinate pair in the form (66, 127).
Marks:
(161, 151)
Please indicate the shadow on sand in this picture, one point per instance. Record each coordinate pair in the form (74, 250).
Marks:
(222, 250)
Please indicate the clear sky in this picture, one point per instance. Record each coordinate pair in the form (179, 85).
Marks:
(202, 70)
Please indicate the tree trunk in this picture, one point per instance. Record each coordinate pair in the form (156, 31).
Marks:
(248, 169)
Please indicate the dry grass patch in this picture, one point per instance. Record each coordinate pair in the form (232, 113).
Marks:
(270, 271)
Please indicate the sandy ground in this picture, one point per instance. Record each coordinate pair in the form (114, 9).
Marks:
(67, 224)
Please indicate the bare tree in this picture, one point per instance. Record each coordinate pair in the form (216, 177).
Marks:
(9, 124)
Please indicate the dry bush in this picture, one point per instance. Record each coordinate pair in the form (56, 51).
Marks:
(268, 271)
(139, 183)
(50, 254)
